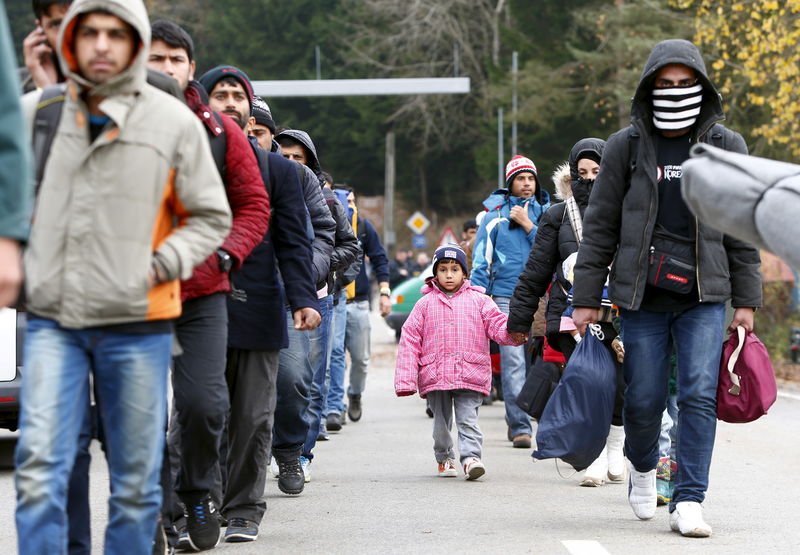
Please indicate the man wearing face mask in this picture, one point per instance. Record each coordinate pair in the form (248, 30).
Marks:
(671, 276)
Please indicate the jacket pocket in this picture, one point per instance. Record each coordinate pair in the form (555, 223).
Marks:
(476, 369)
(428, 370)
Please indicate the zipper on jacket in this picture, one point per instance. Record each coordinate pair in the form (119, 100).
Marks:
(641, 253)
(697, 257)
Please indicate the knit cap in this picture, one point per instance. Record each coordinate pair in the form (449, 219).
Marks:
(263, 114)
(212, 76)
(450, 252)
(517, 165)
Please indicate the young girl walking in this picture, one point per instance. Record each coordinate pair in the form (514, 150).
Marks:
(444, 354)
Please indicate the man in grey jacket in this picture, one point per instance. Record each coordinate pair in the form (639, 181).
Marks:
(670, 278)
(116, 226)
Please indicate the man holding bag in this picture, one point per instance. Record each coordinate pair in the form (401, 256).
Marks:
(671, 275)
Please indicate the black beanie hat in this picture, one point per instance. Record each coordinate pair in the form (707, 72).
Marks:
(212, 76)
(263, 114)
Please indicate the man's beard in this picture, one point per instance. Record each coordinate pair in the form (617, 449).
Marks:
(237, 116)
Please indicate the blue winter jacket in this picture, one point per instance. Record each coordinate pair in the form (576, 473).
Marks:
(501, 249)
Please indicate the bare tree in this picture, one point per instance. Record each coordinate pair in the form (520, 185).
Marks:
(417, 38)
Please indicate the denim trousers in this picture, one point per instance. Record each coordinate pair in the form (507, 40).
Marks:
(356, 340)
(130, 381)
(295, 374)
(336, 361)
(512, 376)
(696, 335)
(318, 356)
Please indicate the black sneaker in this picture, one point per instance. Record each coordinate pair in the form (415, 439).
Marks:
(183, 540)
(202, 523)
(291, 479)
(354, 408)
(333, 423)
(160, 544)
(241, 530)
(343, 416)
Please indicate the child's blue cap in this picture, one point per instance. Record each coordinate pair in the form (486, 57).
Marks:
(450, 252)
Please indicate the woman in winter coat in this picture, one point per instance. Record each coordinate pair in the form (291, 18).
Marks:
(502, 246)
(553, 254)
(444, 354)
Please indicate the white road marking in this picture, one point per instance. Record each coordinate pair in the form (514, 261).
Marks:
(584, 547)
(789, 395)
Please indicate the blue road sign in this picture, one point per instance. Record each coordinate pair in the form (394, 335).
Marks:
(418, 241)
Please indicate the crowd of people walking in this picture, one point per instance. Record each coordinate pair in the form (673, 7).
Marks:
(179, 233)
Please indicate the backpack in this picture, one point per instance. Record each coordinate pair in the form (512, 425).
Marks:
(45, 124)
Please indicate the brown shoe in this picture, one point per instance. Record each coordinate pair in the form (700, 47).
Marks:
(522, 441)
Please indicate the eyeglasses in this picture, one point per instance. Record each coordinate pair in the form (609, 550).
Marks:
(667, 84)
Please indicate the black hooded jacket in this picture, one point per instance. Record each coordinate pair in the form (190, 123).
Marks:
(346, 250)
(554, 242)
(619, 221)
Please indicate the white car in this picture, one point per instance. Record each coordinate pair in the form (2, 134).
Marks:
(12, 333)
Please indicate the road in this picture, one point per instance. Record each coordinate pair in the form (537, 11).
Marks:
(374, 490)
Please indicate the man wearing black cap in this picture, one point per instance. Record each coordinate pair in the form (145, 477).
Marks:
(262, 126)
(198, 373)
(257, 315)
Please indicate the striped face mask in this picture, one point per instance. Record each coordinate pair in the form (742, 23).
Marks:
(676, 108)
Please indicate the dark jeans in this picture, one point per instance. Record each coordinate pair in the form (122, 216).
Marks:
(295, 375)
(252, 377)
(200, 392)
(567, 345)
(696, 335)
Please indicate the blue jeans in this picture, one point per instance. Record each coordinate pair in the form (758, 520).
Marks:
(512, 376)
(649, 337)
(319, 363)
(290, 428)
(336, 364)
(130, 380)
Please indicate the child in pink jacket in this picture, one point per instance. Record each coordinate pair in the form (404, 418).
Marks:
(444, 354)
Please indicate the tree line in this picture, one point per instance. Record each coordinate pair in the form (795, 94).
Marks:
(579, 62)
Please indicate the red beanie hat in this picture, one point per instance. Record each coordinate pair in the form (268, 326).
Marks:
(519, 164)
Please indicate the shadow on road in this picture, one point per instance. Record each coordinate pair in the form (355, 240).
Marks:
(7, 445)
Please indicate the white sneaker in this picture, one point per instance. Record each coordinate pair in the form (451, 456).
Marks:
(595, 474)
(305, 464)
(474, 469)
(687, 518)
(642, 492)
(274, 471)
(616, 459)
(447, 469)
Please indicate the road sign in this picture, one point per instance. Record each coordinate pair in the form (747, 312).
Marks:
(418, 223)
(418, 241)
(448, 238)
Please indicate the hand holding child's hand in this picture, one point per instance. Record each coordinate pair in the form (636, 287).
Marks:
(519, 337)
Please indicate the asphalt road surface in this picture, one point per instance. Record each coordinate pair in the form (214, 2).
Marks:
(374, 489)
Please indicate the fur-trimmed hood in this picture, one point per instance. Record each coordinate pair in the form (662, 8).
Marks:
(563, 181)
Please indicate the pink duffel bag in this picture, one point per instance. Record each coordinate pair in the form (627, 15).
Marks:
(747, 387)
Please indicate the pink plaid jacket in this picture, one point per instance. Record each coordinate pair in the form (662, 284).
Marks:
(445, 342)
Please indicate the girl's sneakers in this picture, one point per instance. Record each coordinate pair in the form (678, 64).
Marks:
(447, 469)
(474, 469)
